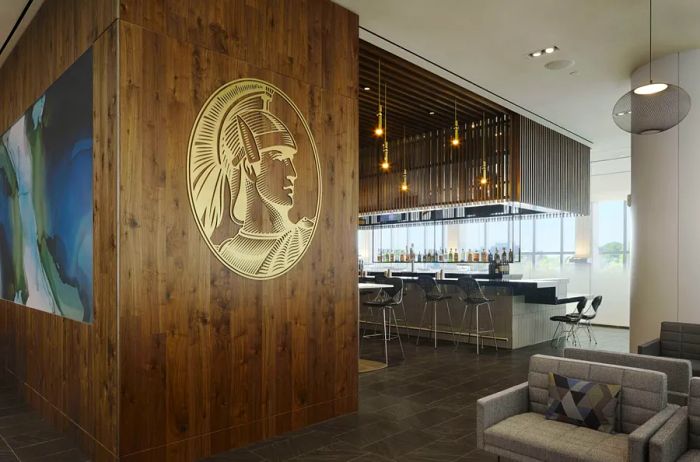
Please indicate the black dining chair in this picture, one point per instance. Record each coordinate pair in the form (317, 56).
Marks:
(432, 293)
(568, 323)
(587, 316)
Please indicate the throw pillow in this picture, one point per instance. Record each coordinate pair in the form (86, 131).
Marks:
(583, 403)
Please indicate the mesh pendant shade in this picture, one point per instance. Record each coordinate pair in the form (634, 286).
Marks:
(649, 114)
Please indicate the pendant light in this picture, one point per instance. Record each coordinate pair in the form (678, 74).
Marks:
(484, 180)
(404, 181)
(653, 107)
(455, 138)
(385, 147)
(379, 130)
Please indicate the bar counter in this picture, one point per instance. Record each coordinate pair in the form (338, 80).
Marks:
(521, 308)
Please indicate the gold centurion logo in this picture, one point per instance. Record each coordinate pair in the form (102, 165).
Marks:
(252, 154)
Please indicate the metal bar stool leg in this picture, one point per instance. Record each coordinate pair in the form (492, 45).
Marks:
(386, 341)
(493, 328)
(592, 333)
(461, 324)
(405, 320)
(555, 339)
(420, 325)
(435, 323)
(396, 323)
(452, 328)
(477, 329)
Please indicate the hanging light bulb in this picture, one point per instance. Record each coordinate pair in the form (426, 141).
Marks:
(385, 163)
(483, 179)
(379, 130)
(404, 183)
(455, 138)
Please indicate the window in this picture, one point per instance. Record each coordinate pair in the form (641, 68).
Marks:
(611, 234)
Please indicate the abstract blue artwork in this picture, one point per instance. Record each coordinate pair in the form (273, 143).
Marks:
(46, 201)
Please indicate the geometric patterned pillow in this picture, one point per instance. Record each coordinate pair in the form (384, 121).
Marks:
(583, 403)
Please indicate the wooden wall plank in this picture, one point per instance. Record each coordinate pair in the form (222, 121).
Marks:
(210, 360)
(67, 369)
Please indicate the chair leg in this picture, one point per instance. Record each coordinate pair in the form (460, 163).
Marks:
(405, 320)
(386, 340)
(477, 329)
(452, 328)
(420, 325)
(435, 324)
(591, 332)
(555, 339)
(461, 324)
(493, 328)
(396, 323)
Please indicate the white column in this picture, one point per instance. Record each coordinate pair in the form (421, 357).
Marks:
(665, 278)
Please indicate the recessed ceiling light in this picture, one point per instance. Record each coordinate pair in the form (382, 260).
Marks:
(366, 88)
(549, 50)
(536, 54)
(431, 112)
(544, 51)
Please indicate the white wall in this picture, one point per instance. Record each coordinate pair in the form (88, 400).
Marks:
(665, 210)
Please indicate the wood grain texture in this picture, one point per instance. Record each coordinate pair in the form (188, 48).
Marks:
(210, 360)
(67, 369)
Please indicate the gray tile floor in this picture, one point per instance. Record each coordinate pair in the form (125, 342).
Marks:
(420, 409)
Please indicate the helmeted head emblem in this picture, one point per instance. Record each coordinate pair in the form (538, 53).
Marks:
(243, 176)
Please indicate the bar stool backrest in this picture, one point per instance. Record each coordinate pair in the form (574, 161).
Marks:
(395, 292)
(470, 287)
(596, 303)
(428, 285)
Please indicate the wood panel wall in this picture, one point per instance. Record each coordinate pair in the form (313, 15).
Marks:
(210, 360)
(67, 369)
(554, 169)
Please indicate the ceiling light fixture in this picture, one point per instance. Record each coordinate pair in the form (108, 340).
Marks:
(657, 106)
(455, 138)
(431, 113)
(404, 181)
(484, 180)
(379, 130)
(545, 51)
(366, 88)
(385, 148)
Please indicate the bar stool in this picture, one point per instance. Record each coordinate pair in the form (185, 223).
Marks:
(432, 293)
(474, 297)
(381, 279)
(394, 297)
(571, 320)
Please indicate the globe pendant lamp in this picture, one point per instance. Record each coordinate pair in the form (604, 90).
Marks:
(651, 108)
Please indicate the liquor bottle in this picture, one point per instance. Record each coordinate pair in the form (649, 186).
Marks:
(476, 256)
(413, 254)
(391, 256)
(451, 256)
(504, 256)
(470, 258)
(496, 258)
(440, 254)
(484, 256)
(419, 257)
(510, 256)
(490, 256)
(462, 256)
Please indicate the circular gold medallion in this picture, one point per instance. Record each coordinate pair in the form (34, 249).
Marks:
(254, 179)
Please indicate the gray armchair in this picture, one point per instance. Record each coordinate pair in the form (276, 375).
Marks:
(678, 371)
(679, 438)
(676, 340)
(512, 424)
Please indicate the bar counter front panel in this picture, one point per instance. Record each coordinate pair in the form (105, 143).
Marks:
(521, 309)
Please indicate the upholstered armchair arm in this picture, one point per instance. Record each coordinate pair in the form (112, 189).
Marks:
(671, 441)
(493, 408)
(651, 348)
(639, 439)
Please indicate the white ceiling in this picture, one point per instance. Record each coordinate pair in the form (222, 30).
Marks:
(10, 11)
(487, 42)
